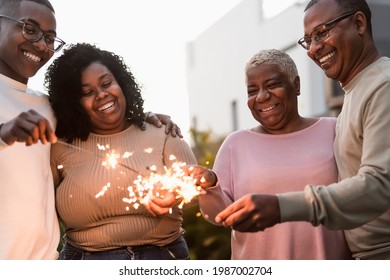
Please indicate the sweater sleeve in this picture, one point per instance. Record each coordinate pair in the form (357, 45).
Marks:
(363, 196)
(218, 197)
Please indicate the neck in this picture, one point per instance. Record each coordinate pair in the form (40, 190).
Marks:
(369, 56)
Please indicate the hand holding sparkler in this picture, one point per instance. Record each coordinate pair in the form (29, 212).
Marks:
(161, 205)
(203, 176)
(29, 127)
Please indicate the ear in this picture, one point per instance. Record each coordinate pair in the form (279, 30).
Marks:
(360, 21)
(297, 85)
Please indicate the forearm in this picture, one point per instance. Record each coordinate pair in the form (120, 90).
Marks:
(211, 203)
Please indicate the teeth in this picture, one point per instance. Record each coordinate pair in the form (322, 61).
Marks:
(32, 56)
(106, 106)
(267, 109)
(326, 57)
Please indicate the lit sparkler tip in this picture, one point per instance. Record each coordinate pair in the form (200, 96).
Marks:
(156, 185)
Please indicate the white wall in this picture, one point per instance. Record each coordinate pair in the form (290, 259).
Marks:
(216, 59)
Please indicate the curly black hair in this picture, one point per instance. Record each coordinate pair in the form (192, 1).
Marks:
(63, 84)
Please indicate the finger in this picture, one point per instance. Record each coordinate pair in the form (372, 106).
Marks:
(41, 129)
(153, 119)
(29, 141)
(168, 128)
(156, 210)
(50, 134)
(178, 132)
(174, 130)
(42, 126)
(150, 209)
(247, 226)
(225, 215)
(166, 202)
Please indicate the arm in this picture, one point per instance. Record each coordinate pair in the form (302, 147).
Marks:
(220, 195)
(364, 192)
(247, 213)
(362, 151)
(29, 127)
(159, 119)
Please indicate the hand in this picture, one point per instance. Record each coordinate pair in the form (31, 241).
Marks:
(251, 213)
(159, 119)
(161, 206)
(29, 127)
(204, 177)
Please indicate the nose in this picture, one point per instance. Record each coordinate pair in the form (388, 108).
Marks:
(262, 95)
(40, 44)
(314, 47)
(101, 94)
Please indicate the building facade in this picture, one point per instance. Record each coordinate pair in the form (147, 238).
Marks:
(217, 57)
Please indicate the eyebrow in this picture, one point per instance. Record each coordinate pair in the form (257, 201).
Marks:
(100, 79)
(34, 22)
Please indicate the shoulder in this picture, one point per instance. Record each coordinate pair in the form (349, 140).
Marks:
(238, 137)
(153, 130)
(329, 121)
(37, 93)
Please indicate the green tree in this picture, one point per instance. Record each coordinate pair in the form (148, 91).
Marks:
(205, 240)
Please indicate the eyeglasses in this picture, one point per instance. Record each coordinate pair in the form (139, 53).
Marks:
(33, 33)
(322, 32)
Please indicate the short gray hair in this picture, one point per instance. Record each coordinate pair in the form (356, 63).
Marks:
(274, 57)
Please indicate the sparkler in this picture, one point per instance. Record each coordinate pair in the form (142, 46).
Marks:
(111, 159)
(156, 185)
(148, 187)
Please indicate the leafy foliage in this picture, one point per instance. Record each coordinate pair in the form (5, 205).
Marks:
(205, 240)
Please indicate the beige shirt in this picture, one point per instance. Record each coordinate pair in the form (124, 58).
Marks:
(89, 195)
(360, 202)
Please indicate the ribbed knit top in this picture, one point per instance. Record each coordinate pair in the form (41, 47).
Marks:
(96, 222)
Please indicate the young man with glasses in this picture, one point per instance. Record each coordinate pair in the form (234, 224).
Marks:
(338, 38)
(28, 222)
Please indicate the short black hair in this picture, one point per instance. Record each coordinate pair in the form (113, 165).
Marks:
(8, 7)
(63, 84)
(350, 6)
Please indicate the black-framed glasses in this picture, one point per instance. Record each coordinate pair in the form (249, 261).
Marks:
(322, 32)
(33, 33)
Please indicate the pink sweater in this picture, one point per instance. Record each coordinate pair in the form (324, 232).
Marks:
(250, 162)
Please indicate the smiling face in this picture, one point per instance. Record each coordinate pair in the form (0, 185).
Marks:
(20, 58)
(340, 54)
(272, 98)
(103, 100)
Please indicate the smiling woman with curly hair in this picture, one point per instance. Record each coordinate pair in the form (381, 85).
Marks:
(63, 83)
(98, 105)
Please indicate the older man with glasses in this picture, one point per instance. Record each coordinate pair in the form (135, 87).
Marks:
(338, 38)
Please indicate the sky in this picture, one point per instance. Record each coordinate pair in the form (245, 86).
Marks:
(151, 36)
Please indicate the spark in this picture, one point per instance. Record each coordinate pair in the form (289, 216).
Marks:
(148, 187)
(103, 191)
(145, 189)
